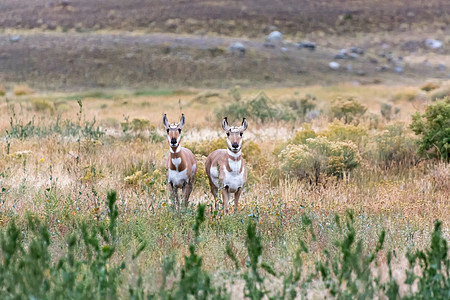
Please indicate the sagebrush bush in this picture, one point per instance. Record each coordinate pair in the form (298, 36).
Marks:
(259, 109)
(394, 146)
(338, 131)
(347, 110)
(42, 106)
(319, 157)
(433, 127)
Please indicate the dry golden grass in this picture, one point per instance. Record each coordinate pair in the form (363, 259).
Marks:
(404, 200)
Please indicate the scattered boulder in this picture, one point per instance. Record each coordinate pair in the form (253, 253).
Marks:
(269, 45)
(353, 56)
(373, 60)
(306, 44)
(283, 49)
(15, 38)
(441, 67)
(333, 65)
(357, 50)
(343, 52)
(274, 37)
(398, 69)
(339, 56)
(349, 67)
(360, 73)
(238, 48)
(433, 44)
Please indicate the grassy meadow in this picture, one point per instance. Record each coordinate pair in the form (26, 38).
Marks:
(343, 229)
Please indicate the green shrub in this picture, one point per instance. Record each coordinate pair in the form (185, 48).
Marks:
(260, 109)
(348, 110)
(433, 127)
(387, 112)
(85, 270)
(319, 157)
(42, 105)
(137, 127)
(337, 131)
(302, 106)
(394, 147)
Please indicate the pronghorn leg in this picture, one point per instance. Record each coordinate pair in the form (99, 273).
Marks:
(189, 189)
(214, 192)
(225, 199)
(237, 195)
(177, 200)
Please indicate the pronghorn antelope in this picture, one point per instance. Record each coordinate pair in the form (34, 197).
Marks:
(180, 163)
(226, 168)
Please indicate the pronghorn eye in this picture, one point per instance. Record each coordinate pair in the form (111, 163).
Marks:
(228, 134)
(179, 130)
(240, 133)
(167, 130)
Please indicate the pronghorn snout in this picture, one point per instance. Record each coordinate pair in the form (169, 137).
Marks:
(235, 145)
(173, 141)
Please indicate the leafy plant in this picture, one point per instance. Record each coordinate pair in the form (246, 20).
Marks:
(318, 157)
(433, 127)
(348, 110)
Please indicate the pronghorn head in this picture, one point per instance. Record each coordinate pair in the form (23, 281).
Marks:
(174, 131)
(234, 135)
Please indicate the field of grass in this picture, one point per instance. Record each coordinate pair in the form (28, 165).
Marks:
(63, 154)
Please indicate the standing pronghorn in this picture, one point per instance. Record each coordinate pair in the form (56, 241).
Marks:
(226, 168)
(180, 163)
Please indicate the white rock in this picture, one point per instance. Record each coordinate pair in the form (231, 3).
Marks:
(274, 36)
(433, 44)
(333, 65)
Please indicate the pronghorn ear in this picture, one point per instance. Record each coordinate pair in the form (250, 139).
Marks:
(244, 124)
(165, 121)
(225, 124)
(182, 120)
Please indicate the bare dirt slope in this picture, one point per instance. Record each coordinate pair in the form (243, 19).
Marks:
(231, 17)
(83, 43)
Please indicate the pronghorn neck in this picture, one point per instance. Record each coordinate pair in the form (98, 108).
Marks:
(235, 156)
(175, 150)
(177, 161)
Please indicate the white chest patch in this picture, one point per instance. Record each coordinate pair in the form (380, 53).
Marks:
(234, 179)
(176, 162)
(178, 179)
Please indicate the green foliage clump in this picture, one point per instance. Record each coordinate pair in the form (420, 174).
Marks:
(394, 147)
(302, 106)
(319, 157)
(137, 127)
(348, 274)
(434, 130)
(387, 112)
(260, 109)
(85, 271)
(348, 110)
(434, 282)
(337, 131)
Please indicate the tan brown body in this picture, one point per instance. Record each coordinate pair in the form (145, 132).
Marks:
(226, 168)
(180, 163)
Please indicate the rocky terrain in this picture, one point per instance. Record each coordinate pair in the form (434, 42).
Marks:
(76, 44)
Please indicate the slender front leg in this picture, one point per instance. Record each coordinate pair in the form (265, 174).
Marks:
(214, 192)
(185, 194)
(225, 199)
(237, 195)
